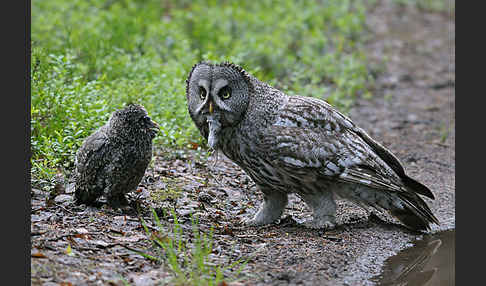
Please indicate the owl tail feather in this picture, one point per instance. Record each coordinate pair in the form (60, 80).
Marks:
(413, 212)
(417, 186)
(403, 204)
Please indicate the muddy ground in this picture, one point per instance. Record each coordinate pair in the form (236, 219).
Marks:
(412, 112)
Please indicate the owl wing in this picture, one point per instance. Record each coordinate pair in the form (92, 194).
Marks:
(90, 158)
(344, 156)
(332, 146)
(328, 155)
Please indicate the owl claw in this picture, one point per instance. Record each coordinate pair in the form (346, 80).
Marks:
(319, 224)
(248, 222)
(256, 221)
(251, 222)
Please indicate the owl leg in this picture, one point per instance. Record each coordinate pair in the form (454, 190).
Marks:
(117, 201)
(271, 209)
(323, 210)
(86, 196)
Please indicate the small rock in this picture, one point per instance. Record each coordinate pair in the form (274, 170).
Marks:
(70, 188)
(412, 118)
(204, 198)
(81, 230)
(63, 198)
(145, 279)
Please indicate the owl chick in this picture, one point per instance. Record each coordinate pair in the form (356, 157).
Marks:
(295, 144)
(113, 160)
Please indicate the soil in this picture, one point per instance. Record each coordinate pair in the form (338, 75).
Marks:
(412, 113)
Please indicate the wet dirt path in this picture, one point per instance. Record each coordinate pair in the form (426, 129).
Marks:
(413, 113)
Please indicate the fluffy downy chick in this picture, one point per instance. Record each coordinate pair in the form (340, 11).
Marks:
(113, 160)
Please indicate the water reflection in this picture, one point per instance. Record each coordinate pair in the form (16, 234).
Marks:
(429, 262)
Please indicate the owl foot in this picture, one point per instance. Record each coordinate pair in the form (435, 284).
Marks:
(119, 201)
(270, 210)
(250, 222)
(258, 220)
(326, 223)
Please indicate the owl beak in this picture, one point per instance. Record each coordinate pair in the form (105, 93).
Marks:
(211, 109)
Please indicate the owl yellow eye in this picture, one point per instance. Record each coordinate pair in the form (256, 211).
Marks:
(225, 92)
(202, 93)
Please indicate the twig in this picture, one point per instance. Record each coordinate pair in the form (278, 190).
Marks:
(71, 212)
(37, 209)
(70, 234)
(34, 233)
(442, 144)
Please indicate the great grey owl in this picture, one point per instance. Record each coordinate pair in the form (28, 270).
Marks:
(113, 160)
(295, 144)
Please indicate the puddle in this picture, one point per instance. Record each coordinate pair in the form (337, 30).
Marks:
(430, 262)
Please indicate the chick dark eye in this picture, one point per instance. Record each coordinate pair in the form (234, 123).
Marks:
(145, 119)
(202, 93)
(225, 92)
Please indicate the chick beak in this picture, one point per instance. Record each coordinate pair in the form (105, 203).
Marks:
(211, 109)
(154, 127)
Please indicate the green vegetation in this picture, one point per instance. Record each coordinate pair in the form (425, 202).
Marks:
(188, 258)
(172, 190)
(431, 5)
(91, 57)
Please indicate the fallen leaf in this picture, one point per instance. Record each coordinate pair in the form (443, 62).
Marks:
(79, 235)
(227, 231)
(133, 238)
(99, 243)
(69, 250)
(127, 260)
(38, 255)
(81, 230)
(219, 213)
(194, 145)
(71, 240)
(117, 231)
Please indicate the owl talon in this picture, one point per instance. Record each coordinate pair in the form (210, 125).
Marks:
(255, 222)
(319, 224)
(119, 201)
(249, 222)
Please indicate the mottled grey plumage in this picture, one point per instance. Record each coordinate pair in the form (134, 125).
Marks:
(113, 160)
(295, 144)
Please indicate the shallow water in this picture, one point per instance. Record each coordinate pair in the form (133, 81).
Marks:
(430, 262)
